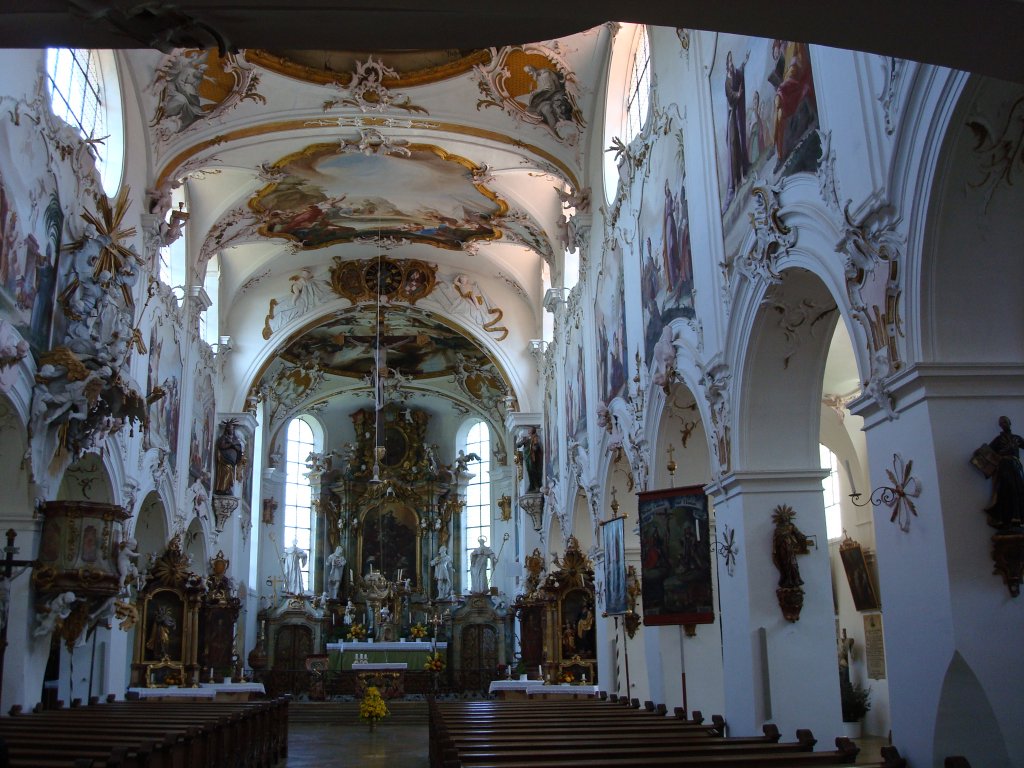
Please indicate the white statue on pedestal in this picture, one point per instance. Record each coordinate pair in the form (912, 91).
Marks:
(335, 572)
(443, 573)
(295, 559)
(478, 560)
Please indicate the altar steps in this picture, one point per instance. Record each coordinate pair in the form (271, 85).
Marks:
(347, 712)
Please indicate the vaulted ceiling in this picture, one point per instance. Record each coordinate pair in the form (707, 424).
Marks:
(982, 37)
(414, 198)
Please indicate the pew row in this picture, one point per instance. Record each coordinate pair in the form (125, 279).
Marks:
(599, 734)
(138, 734)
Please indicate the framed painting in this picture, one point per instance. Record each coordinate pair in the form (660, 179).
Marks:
(675, 551)
(613, 543)
(865, 596)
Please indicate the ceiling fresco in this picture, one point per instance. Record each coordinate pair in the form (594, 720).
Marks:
(327, 194)
(330, 67)
(415, 345)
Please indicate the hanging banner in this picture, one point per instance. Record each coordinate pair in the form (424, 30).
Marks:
(675, 553)
(614, 566)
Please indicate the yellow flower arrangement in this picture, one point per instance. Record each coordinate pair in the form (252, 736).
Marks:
(372, 707)
(434, 663)
(417, 631)
(356, 632)
(567, 677)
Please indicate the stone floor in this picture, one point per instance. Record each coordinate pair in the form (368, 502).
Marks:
(395, 745)
(398, 742)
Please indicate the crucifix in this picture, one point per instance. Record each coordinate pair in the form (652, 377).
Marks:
(273, 582)
(7, 566)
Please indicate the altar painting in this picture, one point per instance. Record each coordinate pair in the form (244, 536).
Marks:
(766, 120)
(666, 261)
(390, 542)
(329, 194)
(675, 550)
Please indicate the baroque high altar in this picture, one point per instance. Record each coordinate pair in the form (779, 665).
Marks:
(388, 513)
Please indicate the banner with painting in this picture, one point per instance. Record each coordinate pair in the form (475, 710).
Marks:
(613, 543)
(766, 121)
(675, 552)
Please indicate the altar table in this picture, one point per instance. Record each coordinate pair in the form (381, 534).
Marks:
(528, 689)
(205, 692)
(413, 654)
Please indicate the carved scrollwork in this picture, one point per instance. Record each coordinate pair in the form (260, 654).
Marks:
(772, 237)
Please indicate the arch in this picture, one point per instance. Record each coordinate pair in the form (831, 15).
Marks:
(582, 524)
(628, 38)
(508, 368)
(150, 530)
(779, 386)
(971, 248)
(966, 723)
(194, 546)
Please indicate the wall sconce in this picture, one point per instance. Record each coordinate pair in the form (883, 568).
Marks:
(898, 496)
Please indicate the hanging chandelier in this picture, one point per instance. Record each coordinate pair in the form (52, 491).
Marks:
(379, 362)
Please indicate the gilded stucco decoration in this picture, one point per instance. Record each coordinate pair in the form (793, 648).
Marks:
(872, 267)
(391, 279)
(337, 193)
(367, 90)
(772, 237)
(197, 85)
(715, 381)
(82, 393)
(534, 85)
(461, 295)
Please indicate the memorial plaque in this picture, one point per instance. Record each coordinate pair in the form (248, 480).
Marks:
(874, 647)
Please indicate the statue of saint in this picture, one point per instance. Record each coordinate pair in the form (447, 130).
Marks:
(1000, 460)
(533, 459)
(479, 558)
(335, 572)
(230, 463)
(443, 573)
(295, 559)
(787, 542)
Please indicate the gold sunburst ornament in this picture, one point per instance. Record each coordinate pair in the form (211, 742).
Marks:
(107, 222)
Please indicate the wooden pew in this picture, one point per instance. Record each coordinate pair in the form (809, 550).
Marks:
(600, 734)
(150, 735)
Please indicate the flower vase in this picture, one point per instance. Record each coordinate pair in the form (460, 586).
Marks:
(373, 724)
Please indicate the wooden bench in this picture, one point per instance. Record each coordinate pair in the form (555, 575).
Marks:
(606, 734)
(150, 735)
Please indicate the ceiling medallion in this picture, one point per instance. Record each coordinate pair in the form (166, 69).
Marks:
(399, 280)
(532, 84)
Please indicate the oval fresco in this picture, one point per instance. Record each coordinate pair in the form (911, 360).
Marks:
(328, 194)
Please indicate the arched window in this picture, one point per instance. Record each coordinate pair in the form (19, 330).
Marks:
(627, 101)
(639, 90)
(85, 93)
(477, 515)
(830, 487)
(298, 509)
